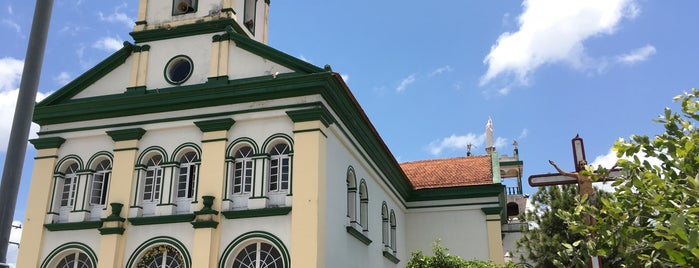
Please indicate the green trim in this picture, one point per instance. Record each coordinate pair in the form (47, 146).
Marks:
(390, 257)
(455, 205)
(253, 213)
(215, 125)
(112, 230)
(66, 159)
(167, 67)
(511, 163)
(162, 33)
(70, 246)
(47, 143)
(126, 149)
(91, 162)
(204, 224)
(69, 226)
(313, 114)
(45, 157)
(495, 167)
(89, 77)
(126, 134)
(141, 22)
(492, 210)
(162, 219)
(270, 53)
(358, 235)
(488, 190)
(137, 253)
(251, 236)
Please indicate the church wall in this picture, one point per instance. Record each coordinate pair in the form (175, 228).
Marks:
(344, 250)
(461, 230)
(243, 64)
(197, 48)
(53, 240)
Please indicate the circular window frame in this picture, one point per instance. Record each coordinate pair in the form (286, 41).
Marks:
(172, 64)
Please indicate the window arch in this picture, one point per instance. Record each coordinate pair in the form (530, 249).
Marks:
(255, 250)
(384, 226)
(154, 179)
(351, 196)
(70, 255)
(99, 187)
(187, 176)
(160, 252)
(363, 206)
(150, 181)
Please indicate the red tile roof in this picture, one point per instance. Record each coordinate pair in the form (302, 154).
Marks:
(449, 172)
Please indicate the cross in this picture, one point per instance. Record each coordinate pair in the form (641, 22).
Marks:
(584, 183)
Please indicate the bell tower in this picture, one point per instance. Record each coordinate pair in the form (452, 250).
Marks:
(250, 17)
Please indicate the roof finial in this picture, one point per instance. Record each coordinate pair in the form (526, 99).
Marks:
(489, 143)
(468, 149)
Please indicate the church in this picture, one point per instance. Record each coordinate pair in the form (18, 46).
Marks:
(229, 153)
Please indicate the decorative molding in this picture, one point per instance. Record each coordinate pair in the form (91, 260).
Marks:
(162, 219)
(313, 114)
(215, 125)
(391, 257)
(126, 134)
(47, 143)
(163, 33)
(69, 226)
(359, 235)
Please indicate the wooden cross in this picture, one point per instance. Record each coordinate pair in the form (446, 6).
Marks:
(584, 183)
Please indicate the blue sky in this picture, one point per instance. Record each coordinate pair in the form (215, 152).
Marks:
(429, 76)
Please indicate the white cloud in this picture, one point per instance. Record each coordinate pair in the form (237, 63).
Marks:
(637, 55)
(523, 134)
(12, 24)
(72, 30)
(62, 78)
(459, 143)
(10, 10)
(117, 17)
(303, 58)
(109, 44)
(10, 74)
(553, 31)
(405, 82)
(345, 77)
(441, 70)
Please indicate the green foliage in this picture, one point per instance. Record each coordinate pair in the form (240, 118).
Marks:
(652, 219)
(550, 233)
(442, 259)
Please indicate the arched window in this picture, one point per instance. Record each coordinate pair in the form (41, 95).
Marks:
(242, 172)
(75, 259)
(100, 183)
(69, 187)
(161, 256)
(258, 254)
(351, 196)
(392, 221)
(187, 178)
(153, 180)
(384, 226)
(279, 168)
(363, 206)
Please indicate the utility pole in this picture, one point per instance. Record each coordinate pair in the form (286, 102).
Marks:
(17, 145)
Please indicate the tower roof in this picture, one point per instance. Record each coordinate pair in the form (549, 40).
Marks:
(449, 172)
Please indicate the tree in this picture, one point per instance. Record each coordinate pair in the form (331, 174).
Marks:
(442, 259)
(550, 232)
(652, 219)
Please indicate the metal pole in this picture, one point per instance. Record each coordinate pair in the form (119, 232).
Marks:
(17, 145)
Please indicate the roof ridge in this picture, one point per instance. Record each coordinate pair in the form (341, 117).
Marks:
(447, 158)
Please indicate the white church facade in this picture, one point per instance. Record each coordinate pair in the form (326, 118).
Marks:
(226, 152)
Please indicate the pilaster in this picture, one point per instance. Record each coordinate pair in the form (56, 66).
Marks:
(308, 224)
(113, 241)
(40, 190)
(494, 228)
(212, 179)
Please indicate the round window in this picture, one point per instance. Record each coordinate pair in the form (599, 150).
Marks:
(178, 70)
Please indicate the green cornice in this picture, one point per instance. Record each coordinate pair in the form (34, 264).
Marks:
(47, 143)
(491, 210)
(162, 219)
(511, 163)
(69, 226)
(215, 125)
(313, 114)
(476, 191)
(89, 77)
(391, 257)
(270, 53)
(213, 26)
(252, 213)
(126, 134)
